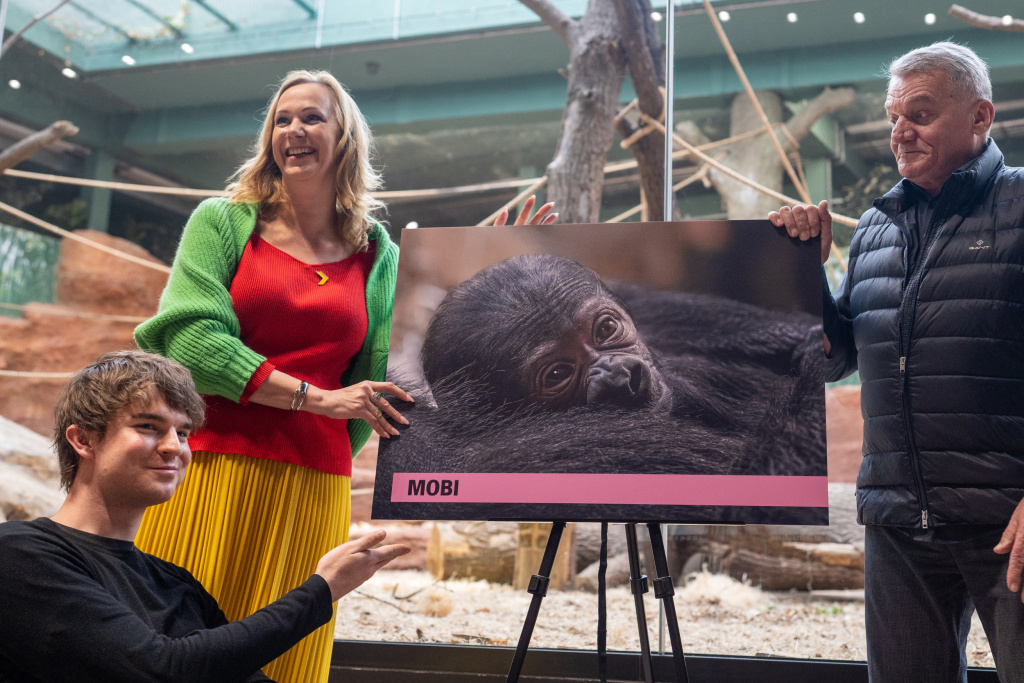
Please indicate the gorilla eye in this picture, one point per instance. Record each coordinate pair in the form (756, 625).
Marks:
(556, 377)
(605, 328)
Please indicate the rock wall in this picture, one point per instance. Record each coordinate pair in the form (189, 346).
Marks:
(844, 430)
(92, 280)
(88, 281)
(29, 476)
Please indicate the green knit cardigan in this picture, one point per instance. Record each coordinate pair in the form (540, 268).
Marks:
(197, 326)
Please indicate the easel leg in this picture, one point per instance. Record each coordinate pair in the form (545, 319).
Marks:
(664, 591)
(602, 608)
(538, 588)
(638, 586)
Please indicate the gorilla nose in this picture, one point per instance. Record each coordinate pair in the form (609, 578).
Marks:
(619, 380)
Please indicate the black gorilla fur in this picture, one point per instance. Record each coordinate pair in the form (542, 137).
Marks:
(743, 396)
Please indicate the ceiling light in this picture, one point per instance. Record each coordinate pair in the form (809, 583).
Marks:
(656, 16)
(791, 17)
(69, 72)
(858, 17)
(1007, 20)
(128, 59)
(187, 49)
(14, 83)
(929, 18)
(724, 16)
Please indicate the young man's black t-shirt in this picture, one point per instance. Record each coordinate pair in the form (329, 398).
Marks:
(79, 607)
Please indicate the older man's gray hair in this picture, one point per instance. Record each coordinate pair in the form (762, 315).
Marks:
(967, 72)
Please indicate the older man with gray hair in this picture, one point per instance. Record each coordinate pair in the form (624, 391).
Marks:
(932, 315)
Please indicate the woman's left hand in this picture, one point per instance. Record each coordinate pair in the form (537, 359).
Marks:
(363, 400)
(542, 217)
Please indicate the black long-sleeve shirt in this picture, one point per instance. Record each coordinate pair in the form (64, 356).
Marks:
(79, 607)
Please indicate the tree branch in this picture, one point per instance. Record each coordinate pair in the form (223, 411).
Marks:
(23, 149)
(984, 21)
(825, 103)
(35, 20)
(642, 69)
(689, 131)
(563, 25)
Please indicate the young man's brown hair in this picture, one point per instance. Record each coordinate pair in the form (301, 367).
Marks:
(114, 380)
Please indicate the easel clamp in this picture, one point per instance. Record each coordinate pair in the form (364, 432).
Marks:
(539, 585)
(663, 587)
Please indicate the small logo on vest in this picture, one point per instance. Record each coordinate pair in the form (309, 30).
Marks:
(980, 244)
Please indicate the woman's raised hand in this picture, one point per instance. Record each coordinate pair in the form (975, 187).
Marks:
(542, 217)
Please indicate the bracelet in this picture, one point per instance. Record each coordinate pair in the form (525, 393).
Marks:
(299, 397)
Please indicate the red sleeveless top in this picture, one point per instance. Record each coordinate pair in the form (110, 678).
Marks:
(306, 329)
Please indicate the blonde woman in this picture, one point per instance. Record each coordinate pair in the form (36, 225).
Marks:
(279, 302)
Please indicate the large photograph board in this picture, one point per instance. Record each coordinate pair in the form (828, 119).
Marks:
(636, 372)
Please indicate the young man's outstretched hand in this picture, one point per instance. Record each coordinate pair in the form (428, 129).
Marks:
(346, 567)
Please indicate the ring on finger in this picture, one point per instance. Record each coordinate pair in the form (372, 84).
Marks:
(375, 396)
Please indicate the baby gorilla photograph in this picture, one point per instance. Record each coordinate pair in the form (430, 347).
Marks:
(545, 390)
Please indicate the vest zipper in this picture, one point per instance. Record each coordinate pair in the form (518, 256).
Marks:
(915, 460)
(905, 323)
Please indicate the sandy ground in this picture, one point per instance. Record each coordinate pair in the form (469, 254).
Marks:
(717, 615)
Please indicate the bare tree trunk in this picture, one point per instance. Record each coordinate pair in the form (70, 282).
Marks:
(477, 550)
(610, 36)
(756, 158)
(774, 573)
(645, 56)
(24, 149)
(596, 69)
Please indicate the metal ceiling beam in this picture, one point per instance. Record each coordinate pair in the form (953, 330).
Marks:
(309, 10)
(187, 127)
(174, 29)
(129, 37)
(232, 26)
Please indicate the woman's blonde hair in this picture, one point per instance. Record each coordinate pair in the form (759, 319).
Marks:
(258, 179)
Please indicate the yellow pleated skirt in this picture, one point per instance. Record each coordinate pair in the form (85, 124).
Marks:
(250, 530)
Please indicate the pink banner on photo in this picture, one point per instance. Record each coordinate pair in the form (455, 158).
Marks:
(609, 489)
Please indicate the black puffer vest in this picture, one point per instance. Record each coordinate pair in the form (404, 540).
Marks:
(940, 351)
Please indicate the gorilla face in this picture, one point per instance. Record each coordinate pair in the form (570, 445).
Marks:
(597, 358)
(541, 330)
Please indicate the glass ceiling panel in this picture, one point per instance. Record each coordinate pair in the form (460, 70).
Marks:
(94, 34)
(108, 21)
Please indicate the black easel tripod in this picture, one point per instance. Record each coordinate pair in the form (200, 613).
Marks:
(663, 590)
